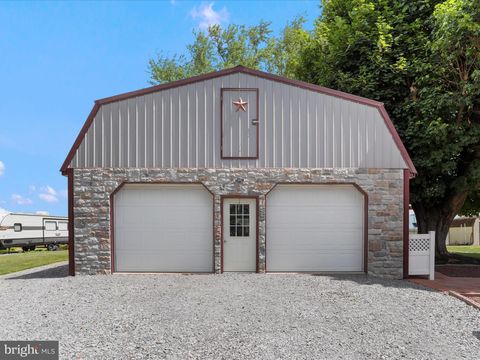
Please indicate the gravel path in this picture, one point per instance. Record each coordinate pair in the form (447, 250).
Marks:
(236, 316)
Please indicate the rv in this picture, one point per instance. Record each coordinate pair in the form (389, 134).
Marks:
(30, 230)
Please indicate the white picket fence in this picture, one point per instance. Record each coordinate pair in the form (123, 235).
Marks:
(421, 250)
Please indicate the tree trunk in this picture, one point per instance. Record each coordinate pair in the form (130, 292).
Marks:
(438, 219)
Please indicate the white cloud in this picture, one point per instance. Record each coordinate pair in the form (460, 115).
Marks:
(207, 16)
(20, 200)
(3, 212)
(2, 168)
(48, 198)
(49, 190)
(49, 194)
(32, 189)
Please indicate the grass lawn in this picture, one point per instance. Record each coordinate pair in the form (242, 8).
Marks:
(21, 261)
(468, 250)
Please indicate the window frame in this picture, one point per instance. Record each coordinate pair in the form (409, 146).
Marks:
(17, 226)
(50, 221)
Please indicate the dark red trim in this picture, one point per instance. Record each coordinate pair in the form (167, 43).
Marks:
(256, 197)
(406, 220)
(365, 214)
(241, 69)
(222, 90)
(79, 138)
(112, 213)
(71, 228)
(397, 140)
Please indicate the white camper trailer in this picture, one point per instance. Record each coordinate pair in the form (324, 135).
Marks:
(30, 230)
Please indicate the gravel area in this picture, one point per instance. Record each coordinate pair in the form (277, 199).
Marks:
(236, 316)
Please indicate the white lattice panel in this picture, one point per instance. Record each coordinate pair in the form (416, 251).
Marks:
(419, 245)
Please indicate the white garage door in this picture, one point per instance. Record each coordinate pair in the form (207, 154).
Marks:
(163, 228)
(315, 228)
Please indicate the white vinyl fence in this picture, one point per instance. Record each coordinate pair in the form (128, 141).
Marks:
(421, 250)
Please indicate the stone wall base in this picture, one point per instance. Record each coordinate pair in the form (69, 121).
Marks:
(384, 188)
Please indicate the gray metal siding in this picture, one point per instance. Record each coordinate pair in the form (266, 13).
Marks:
(180, 128)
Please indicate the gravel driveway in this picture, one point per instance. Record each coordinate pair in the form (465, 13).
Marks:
(242, 316)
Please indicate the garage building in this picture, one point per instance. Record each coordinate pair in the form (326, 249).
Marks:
(238, 170)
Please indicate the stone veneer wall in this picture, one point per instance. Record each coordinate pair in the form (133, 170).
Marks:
(92, 189)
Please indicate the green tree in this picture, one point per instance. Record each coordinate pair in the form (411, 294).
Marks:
(421, 58)
(219, 48)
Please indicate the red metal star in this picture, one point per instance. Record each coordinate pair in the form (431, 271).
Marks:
(240, 104)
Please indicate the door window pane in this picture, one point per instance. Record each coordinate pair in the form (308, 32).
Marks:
(240, 220)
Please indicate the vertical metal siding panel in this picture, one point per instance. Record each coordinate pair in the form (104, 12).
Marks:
(159, 104)
(347, 132)
(293, 128)
(369, 141)
(303, 139)
(270, 124)
(131, 134)
(115, 127)
(123, 113)
(140, 129)
(263, 113)
(338, 133)
(107, 137)
(185, 128)
(216, 86)
(246, 129)
(180, 129)
(286, 127)
(319, 130)
(203, 111)
(210, 128)
(196, 120)
(379, 140)
(277, 108)
(81, 155)
(328, 134)
(90, 146)
(168, 131)
(312, 129)
(273, 116)
(354, 114)
(149, 120)
(177, 124)
(255, 83)
(362, 140)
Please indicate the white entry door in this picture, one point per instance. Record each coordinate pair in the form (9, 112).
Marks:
(239, 234)
(315, 228)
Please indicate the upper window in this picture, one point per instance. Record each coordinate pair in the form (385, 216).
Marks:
(240, 220)
(50, 225)
(17, 227)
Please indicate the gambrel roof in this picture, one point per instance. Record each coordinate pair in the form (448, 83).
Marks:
(373, 143)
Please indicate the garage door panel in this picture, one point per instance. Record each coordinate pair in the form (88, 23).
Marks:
(165, 228)
(308, 262)
(315, 217)
(315, 228)
(172, 261)
(177, 240)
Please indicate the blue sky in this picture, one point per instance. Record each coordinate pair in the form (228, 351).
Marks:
(56, 58)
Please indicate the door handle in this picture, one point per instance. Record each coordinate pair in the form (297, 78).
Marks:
(254, 121)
